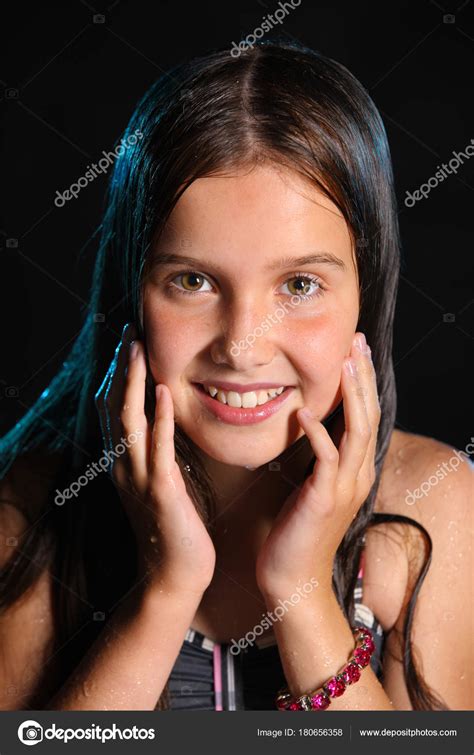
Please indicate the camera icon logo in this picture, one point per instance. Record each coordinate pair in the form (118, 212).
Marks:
(30, 732)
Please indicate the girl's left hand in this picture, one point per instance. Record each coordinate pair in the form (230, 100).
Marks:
(310, 526)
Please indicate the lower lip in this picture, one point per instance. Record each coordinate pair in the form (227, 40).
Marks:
(235, 416)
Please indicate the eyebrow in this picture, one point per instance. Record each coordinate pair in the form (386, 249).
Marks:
(283, 263)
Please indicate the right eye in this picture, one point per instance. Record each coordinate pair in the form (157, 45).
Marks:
(196, 280)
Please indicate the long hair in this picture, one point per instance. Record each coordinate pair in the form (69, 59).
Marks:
(275, 103)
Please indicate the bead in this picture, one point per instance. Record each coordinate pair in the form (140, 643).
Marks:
(351, 673)
(320, 701)
(335, 687)
(362, 657)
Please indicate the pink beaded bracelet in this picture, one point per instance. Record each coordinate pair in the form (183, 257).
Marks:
(320, 699)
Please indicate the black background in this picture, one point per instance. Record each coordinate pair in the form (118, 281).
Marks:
(69, 86)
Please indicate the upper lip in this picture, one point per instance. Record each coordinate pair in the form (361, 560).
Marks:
(239, 388)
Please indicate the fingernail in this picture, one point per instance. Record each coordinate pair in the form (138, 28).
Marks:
(158, 392)
(306, 412)
(361, 343)
(350, 367)
(133, 349)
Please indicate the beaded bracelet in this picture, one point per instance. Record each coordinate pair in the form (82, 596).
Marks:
(320, 699)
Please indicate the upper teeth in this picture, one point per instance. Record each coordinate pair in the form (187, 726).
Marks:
(245, 400)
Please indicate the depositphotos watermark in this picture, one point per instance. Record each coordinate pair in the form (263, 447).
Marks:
(445, 170)
(443, 470)
(95, 169)
(32, 732)
(267, 24)
(264, 326)
(97, 467)
(268, 618)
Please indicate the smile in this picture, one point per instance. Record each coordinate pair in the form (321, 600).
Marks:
(243, 409)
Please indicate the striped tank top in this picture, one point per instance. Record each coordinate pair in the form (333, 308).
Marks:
(207, 676)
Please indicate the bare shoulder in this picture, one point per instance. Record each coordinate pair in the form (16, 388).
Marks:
(26, 628)
(426, 480)
(432, 484)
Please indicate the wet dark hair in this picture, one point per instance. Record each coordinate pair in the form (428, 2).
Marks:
(276, 103)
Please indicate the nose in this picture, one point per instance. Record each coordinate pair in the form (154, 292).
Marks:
(246, 340)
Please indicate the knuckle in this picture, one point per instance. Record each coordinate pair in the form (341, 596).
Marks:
(332, 456)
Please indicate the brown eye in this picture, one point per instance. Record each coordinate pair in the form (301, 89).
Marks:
(302, 286)
(192, 283)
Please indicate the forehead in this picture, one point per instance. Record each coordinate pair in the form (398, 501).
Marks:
(256, 216)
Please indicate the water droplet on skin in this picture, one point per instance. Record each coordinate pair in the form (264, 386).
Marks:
(398, 470)
(86, 689)
(153, 539)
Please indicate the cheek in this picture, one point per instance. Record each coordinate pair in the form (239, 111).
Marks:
(171, 342)
(318, 361)
(322, 346)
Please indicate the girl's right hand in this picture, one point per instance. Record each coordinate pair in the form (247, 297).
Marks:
(174, 546)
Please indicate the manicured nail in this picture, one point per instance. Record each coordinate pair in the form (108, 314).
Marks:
(361, 343)
(133, 349)
(350, 367)
(307, 413)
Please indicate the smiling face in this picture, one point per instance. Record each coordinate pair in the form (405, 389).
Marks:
(236, 314)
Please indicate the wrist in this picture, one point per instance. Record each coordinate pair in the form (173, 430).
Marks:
(313, 589)
(156, 585)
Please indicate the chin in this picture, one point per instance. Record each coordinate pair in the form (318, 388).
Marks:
(238, 454)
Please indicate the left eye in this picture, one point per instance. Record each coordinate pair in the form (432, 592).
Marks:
(302, 290)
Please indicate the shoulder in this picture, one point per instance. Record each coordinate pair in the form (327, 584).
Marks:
(26, 626)
(432, 483)
(426, 480)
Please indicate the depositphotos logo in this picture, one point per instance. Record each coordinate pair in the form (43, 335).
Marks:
(31, 732)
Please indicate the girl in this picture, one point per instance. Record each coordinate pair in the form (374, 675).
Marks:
(260, 505)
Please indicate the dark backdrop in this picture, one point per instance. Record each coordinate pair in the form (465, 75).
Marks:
(72, 74)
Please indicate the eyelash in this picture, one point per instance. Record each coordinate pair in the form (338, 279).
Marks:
(304, 297)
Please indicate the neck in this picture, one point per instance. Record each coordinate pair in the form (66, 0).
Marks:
(244, 494)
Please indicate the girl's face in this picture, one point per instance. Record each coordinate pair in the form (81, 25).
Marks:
(235, 313)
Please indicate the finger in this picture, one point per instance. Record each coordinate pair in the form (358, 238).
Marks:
(162, 461)
(133, 418)
(368, 380)
(358, 431)
(367, 377)
(115, 387)
(319, 488)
